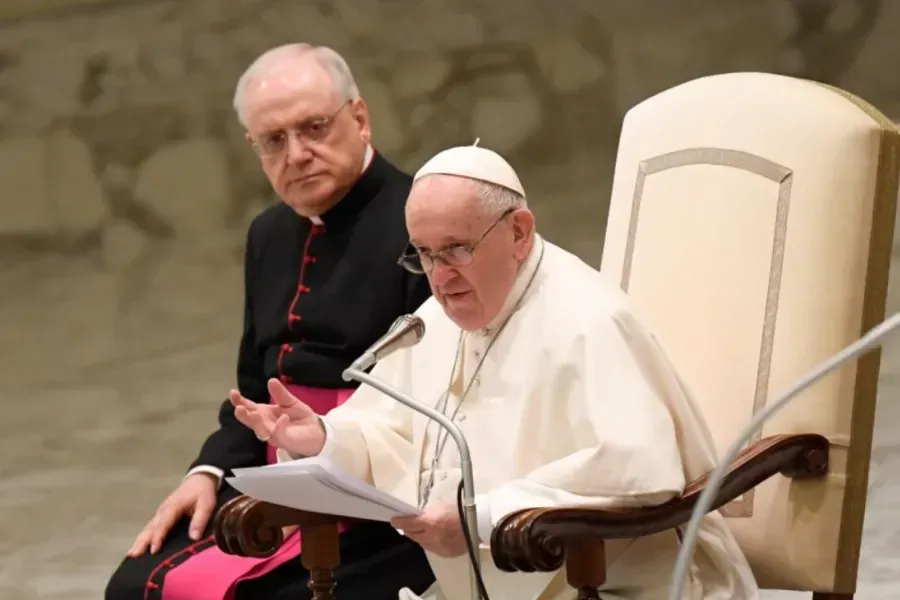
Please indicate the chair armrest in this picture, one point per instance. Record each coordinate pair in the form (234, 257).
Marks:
(536, 539)
(245, 526)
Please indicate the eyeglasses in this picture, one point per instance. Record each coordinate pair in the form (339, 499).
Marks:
(420, 261)
(310, 131)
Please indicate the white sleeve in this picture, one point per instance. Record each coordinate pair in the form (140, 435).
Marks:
(216, 472)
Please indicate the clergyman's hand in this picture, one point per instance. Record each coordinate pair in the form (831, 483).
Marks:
(438, 530)
(196, 496)
(286, 423)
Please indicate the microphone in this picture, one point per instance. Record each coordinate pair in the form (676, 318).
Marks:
(406, 331)
(870, 341)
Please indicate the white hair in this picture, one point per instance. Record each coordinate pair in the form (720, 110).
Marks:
(498, 199)
(329, 60)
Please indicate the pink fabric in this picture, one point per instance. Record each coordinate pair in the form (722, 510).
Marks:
(214, 575)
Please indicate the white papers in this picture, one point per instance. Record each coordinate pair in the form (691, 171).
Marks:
(318, 485)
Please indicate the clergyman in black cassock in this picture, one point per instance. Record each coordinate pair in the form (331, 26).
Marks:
(319, 290)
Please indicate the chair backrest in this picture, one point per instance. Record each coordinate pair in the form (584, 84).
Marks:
(751, 223)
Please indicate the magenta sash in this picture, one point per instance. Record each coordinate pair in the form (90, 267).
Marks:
(214, 575)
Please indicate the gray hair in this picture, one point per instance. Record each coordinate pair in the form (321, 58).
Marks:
(329, 59)
(498, 199)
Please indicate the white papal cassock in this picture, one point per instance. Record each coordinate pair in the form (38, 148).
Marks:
(573, 405)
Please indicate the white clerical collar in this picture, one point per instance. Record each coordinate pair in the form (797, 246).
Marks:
(520, 286)
(367, 160)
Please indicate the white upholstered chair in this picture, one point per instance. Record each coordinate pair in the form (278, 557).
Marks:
(751, 223)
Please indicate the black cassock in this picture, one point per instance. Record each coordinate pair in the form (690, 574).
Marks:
(316, 297)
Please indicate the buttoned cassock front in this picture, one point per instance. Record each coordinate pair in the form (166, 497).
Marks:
(574, 405)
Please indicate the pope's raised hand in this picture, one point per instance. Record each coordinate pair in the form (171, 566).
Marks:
(286, 423)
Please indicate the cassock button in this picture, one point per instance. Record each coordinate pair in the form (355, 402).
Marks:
(285, 379)
(286, 347)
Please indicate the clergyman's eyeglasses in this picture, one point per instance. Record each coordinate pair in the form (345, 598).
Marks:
(313, 130)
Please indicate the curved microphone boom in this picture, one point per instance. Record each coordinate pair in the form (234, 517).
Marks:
(406, 331)
(871, 340)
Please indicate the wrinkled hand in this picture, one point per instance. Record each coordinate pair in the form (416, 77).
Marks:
(196, 496)
(287, 423)
(438, 530)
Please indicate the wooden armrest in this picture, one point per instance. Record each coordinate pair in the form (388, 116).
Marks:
(245, 526)
(539, 539)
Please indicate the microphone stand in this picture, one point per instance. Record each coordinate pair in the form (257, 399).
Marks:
(869, 341)
(465, 458)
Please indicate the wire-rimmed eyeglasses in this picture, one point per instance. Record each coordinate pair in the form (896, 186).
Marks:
(418, 261)
(312, 130)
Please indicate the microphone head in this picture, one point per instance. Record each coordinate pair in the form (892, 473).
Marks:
(404, 332)
(413, 323)
(419, 326)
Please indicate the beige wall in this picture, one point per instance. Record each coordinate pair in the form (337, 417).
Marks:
(122, 166)
(126, 186)
(18, 10)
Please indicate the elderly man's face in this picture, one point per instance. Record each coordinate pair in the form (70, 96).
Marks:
(311, 141)
(445, 212)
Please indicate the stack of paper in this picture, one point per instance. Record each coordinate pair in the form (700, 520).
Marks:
(318, 485)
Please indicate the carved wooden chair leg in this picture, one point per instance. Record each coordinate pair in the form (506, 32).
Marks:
(586, 567)
(321, 556)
